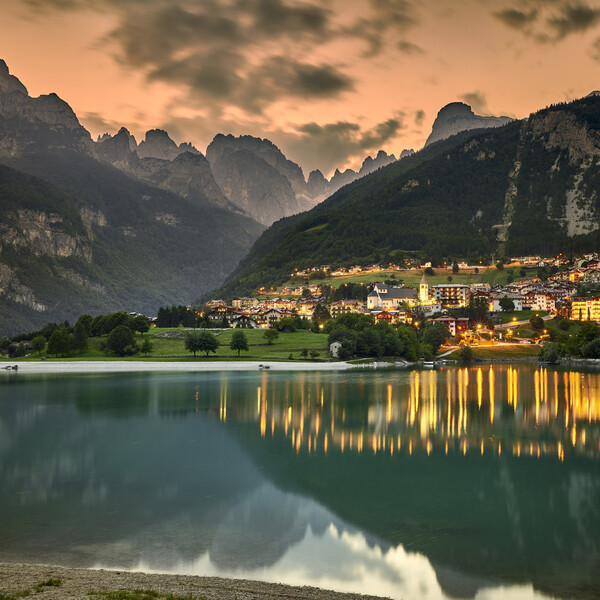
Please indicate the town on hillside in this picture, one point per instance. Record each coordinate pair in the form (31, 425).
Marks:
(556, 292)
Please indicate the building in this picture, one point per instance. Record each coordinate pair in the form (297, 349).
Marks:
(451, 295)
(342, 307)
(244, 302)
(495, 299)
(384, 297)
(453, 324)
(585, 309)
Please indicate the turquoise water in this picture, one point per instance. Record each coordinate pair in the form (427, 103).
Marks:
(457, 483)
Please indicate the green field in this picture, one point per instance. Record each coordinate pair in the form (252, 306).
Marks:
(501, 351)
(169, 344)
(413, 277)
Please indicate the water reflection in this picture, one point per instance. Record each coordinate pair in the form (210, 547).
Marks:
(491, 409)
(459, 483)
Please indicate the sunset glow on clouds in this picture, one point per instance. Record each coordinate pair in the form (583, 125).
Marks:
(328, 81)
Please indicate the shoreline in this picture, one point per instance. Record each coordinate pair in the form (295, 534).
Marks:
(61, 583)
(107, 366)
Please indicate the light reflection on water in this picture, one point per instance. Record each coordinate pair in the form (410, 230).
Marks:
(462, 483)
(533, 412)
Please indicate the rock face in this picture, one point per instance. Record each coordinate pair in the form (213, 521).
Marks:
(255, 176)
(158, 144)
(25, 119)
(160, 162)
(79, 235)
(456, 117)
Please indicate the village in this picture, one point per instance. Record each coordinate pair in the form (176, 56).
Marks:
(559, 293)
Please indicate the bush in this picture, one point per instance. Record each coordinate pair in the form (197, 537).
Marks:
(121, 341)
(466, 355)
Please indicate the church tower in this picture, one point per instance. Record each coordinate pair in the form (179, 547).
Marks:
(423, 291)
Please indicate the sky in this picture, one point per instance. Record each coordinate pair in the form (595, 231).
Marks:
(328, 81)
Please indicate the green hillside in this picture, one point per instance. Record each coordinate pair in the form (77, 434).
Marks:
(527, 187)
(91, 239)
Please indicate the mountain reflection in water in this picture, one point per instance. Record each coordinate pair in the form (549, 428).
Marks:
(462, 483)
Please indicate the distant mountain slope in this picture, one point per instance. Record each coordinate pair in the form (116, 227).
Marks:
(458, 116)
(526, 187)
(104, 242)
(79, 235)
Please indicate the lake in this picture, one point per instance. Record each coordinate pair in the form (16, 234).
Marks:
(479, 482)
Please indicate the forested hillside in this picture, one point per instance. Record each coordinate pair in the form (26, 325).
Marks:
(527, 187)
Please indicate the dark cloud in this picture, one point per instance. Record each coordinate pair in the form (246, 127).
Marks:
(410, 48)
(332, 145)
(549, 21)
(387, 18)
(517, 19)
(477, 101)
(246, 53)
(96, 123)
(419, 117)
(574, 18)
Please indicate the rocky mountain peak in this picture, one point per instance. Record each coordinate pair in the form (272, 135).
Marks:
(458, 116)
(158, 144)
(9, 83)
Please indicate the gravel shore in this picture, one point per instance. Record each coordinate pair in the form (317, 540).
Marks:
(61, 583)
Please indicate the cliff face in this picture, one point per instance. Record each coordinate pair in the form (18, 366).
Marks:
(79, 235)
(456, 117)
(255, 176)
(25, 121)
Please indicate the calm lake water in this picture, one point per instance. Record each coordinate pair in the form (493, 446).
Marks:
(457, 483)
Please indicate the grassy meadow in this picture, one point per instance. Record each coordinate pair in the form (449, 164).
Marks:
(169, 344)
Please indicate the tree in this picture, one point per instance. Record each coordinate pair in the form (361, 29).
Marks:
(38, 343)
(4, 344)
(270, 335)
(537, 323)
(314, 354)
(304, 353)
(59, 342)
(506, 304)
(320, 315)
(466, 355)
(80, 337)
(201, 341)
(549, 352)
(147, 346)
(86, 321)
(429, 271)
(434, 335)
(239, 341)
(120, 340)
(499, 265)
(455, 267)
(141, 324)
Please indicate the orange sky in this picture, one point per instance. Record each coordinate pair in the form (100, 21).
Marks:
(329, 81)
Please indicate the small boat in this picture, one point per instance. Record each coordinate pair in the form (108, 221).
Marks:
(11, 368)
(261, 366)
(428, 364)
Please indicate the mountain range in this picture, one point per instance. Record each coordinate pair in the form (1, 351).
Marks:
(113, 224)
(525, 187)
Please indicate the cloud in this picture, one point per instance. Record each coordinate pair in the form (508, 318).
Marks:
(331, 145)
(517, 19)
(550, 21)
(387, 18)
(477, 101)
(410, 48)
(419, 117)
(574, 18)
(97, 123)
